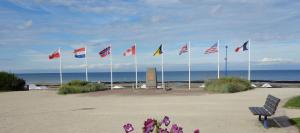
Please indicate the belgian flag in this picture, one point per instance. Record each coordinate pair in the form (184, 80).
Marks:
(158, 52)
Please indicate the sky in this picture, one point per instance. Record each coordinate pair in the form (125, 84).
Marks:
(30, 30)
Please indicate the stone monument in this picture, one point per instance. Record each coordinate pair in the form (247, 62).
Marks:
(151, 78)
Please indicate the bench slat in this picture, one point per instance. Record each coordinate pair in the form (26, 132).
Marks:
(259, 111)
(269, 107)
(271, 104)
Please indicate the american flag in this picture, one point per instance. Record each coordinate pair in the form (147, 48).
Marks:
(183, 49)
(212, 49)
(105, 52)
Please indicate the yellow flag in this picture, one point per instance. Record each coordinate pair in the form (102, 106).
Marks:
(158, 52)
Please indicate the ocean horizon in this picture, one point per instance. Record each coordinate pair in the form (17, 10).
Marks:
(53, 78)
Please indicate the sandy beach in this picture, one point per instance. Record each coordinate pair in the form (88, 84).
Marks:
(105, 112)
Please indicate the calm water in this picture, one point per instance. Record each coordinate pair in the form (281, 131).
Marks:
(286, 75)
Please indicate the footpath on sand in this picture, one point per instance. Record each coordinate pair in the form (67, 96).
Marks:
(46, 111)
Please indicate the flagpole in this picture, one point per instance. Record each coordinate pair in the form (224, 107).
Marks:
(189, 49)
(111, 74)
(86, 65)
(162, 68)
(135, 60)
(218, 60)
(60, 67)
(249, 60)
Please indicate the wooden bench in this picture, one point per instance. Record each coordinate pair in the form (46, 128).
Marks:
(267, 110)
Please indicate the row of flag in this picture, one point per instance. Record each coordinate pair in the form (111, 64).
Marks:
(81, 53)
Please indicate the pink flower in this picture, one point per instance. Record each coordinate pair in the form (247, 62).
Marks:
(176, 129)
(149, 125)
(163, 131)
(197, 131)
(166, 121)
(128, 128)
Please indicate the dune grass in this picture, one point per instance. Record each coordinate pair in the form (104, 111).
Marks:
(227, 85)
(10, 82)
(77, 86)
(293, 102)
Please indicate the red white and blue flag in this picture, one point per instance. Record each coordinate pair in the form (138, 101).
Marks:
(130, 51)
(212, 49)
(103, 53)
(79, 53)
(244, 47)
(183, 49)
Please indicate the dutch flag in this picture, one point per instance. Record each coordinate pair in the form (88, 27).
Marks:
(79, 53)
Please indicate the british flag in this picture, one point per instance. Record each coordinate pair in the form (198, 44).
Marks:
(105, 52)
(183, 49)
(212, 49)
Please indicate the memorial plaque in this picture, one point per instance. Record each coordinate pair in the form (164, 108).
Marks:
(151, 79)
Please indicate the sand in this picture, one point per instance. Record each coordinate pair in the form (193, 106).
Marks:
(44, 111)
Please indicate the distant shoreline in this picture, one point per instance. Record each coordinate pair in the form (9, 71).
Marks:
(185, 82)
(271, 76)
(222, 71)
(201, 81)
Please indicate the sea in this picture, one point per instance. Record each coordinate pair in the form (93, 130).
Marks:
(53, 78)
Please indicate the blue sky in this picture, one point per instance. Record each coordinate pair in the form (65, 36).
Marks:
(31, 29)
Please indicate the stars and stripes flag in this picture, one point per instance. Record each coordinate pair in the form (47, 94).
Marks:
(212, 49)
(183, 49)
(130, 51)
(79, 53)
(215, 49)
(54, 55)
(103, 53)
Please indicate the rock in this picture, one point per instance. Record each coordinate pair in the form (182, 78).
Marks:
(266, 85)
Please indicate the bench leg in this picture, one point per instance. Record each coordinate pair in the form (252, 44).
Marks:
(266, 122)
(259, 117)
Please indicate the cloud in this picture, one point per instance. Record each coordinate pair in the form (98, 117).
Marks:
(272, 61)
(25, 25)
(161, 2)
(157, 19)
(76, 23)
(216, 10)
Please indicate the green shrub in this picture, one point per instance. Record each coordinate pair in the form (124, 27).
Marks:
(77, 83)
(293, 102)
(10, 82)
(77, 86)
(227, 85)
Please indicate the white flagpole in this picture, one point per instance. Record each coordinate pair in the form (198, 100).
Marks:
(86, 65)
(60, 67)
(162, 68)
(249, 60)
(218, 60)
(189, 49)
(135, 60)
(111, 74)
